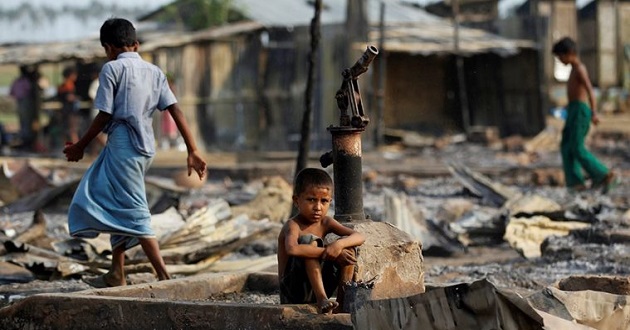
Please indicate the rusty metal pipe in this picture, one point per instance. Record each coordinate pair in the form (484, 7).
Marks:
(348, 175)
(346, 141)
(363, 62)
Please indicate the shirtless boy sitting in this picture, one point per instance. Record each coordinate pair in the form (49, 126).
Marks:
(309, 272)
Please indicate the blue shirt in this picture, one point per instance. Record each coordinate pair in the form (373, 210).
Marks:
(131, 89)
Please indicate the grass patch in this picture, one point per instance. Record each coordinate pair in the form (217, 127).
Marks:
(7, 74)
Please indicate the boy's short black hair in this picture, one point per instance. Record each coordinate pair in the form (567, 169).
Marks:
(309, 177)
(118, 32)
(564, 46)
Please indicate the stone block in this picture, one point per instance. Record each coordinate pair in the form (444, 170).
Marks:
(392, 258)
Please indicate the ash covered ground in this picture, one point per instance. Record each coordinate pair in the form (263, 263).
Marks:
(600, 249)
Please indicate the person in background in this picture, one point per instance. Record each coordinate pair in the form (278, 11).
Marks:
(101, 139)
(66, 94)
(25, 91)
(168, 127)
(581, 112)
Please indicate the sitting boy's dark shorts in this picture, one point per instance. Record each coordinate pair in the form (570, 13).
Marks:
(295, 288)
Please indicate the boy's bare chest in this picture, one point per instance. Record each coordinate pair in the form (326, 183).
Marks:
(575, 89)
(317, 229)
(573, 78)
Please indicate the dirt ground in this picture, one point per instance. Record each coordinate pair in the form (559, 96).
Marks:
(422, 175)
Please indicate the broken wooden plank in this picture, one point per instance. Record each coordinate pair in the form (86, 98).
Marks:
(206, 217)
(77, 248)
(20, 247)
(36, 230)
(227, 237)
(399, 211)
(40, 199)
(12, 273)
(273, 202)
(493, 193)
(46, 266)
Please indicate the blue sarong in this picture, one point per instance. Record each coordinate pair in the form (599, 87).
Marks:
(111, 197)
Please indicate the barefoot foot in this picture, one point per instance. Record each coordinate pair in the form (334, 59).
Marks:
(107, 280)
(326, 306)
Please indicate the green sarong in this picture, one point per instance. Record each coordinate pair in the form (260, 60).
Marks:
(575, 157)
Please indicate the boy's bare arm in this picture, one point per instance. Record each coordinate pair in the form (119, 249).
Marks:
(195, 160)
(74, 152)
(349, 238)
(299, 250)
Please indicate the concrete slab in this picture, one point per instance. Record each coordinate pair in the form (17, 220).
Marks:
(173, 304)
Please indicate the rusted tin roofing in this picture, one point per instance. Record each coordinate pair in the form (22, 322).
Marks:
(439, 38)
(273, 13)
(51, 52)
(90, 49)
(408, 29)
(161, 40)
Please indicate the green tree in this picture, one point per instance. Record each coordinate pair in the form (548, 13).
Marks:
(199, 14)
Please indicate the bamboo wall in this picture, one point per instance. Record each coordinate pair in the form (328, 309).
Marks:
(422, 93)
(604, 34)
(242, 93)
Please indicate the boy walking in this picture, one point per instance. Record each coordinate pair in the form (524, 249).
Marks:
(111, 196)
(581, 111)
(310, 272)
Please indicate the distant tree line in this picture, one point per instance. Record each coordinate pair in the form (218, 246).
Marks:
(198, 14)
(186, 14)
(40, 14)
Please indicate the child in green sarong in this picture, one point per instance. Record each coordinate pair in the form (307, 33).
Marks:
(581, 111)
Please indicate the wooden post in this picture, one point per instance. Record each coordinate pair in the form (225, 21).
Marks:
(380, 90)
(461, 78)
(307, 118)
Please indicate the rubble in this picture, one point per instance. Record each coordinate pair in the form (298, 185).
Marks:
(272, 202)
(190, 243)
(526, 235)
(497, 225)
(400, 211)
(483, 305)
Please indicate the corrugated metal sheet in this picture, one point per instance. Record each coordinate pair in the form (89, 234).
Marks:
(51, 52)
(273, 13)
(426, 39)
(91, 48)
(162, 40)
(409, 29)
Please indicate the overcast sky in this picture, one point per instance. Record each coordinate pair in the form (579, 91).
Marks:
(42, 26)
(59, 3)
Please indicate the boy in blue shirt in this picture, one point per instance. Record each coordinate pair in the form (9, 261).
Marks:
(111, 196)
